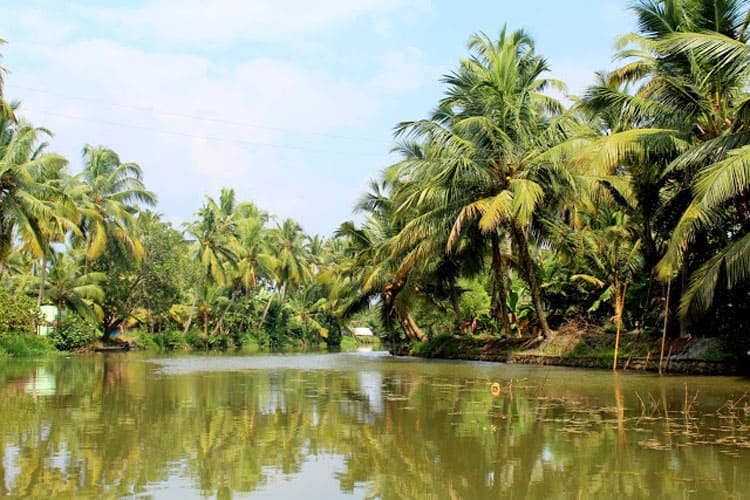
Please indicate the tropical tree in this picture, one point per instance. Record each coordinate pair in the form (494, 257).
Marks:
(69, 286)
(111, 195)
(291, 266)
(215, 245)
(690, 62)
(488, 129)
(612, 257)
(29, 188)
(372, 271)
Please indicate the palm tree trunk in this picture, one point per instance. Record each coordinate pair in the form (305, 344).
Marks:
(2, 269)
(224, 314)
(528, 265)
(59, 313)
(666, 322)
(619, 306)
(502, 296)
(265, 311)
(454, 302)
(42, 278)
(410, 326)
(192, 307)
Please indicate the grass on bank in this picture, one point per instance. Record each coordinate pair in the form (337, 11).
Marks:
(23, 345)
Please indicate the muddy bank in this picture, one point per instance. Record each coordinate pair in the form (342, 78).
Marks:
(574, 346)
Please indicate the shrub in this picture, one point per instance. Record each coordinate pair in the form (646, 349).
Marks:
(24, 345)
(19, 314)
(170, 340)
(74, 333)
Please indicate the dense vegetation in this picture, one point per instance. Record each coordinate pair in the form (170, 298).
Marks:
(509, 213)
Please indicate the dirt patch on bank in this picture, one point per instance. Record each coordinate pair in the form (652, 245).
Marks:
(581, 344)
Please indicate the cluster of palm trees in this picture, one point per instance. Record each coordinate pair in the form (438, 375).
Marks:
(90, 245)
(246, 259)
(630, 203)
(509, 210)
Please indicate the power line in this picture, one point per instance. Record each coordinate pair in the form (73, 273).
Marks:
(201, 118)
(189, 135)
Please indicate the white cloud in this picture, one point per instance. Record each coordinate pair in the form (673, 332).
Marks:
(197, 22)
(194, 124)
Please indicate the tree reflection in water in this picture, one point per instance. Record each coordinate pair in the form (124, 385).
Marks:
(117, 426)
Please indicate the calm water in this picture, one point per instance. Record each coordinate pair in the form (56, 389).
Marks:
(365, 425)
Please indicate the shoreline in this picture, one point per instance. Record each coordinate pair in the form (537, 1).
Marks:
(693, 356)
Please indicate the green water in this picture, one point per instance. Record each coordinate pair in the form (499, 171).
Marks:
(364, 425)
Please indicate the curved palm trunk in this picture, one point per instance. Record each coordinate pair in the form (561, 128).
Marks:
(528, 265)
(502, 296)
(192, 307)
(224, 314)
(265, 311)
(410, 326)
(42, 279)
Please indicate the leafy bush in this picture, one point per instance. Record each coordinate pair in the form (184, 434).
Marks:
(75, 332)
(170, 340)
(19, 314)
(24, 345)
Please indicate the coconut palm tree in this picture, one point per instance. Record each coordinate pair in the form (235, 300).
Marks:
(112, 194)
(29, 187)
(690, 63)
(68, 286)
(375, 268)
(215, 245)
(491, 125)
(288, 244)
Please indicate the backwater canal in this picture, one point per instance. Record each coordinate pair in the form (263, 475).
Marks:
(364, 425)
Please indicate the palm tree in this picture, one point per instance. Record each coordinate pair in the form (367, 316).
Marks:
(112, 193)
(215, 245)
(28, 187)
(68, 286)
(611, 257)
(487, 131)
(292, 269)
(376, 269)
(691, 62)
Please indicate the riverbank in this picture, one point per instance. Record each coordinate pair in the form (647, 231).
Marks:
(575, 345)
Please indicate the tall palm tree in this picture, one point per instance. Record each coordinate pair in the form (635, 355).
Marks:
(292, 269)
(215, 245)
(691, 63)
(375, 268)
(68, 286)
(113, 193)
(28, 186)
(491, 125)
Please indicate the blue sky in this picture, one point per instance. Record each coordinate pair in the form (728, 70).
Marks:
(291, 102)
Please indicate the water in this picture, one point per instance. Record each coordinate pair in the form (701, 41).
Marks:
(365, 425)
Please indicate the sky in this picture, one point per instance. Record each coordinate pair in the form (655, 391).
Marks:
(290, 102)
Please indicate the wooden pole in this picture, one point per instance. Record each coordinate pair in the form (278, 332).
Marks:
(664, 332)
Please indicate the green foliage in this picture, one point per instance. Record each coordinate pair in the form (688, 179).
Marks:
(18, 314)
(275, 330)
(24, 345)
(348, 343)
(169, 340)
(74, 332)
(474, 298)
